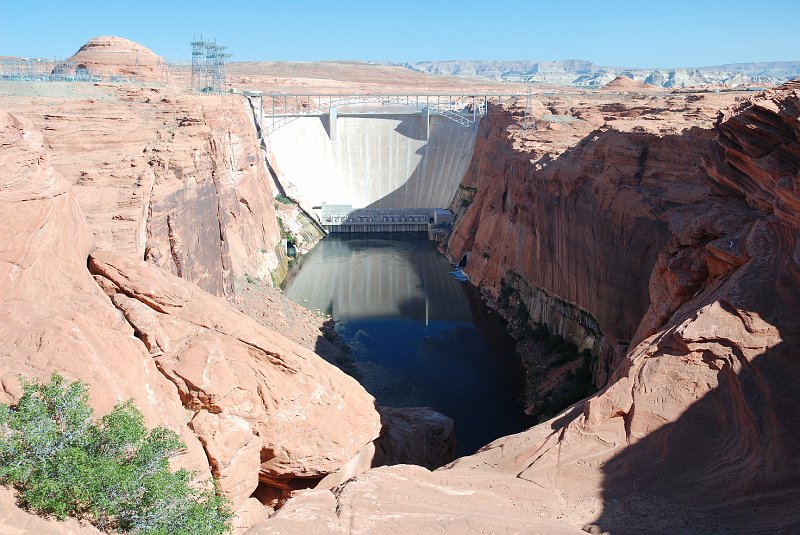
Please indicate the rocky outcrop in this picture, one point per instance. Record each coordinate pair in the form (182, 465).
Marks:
(54, 316)
(623, 83)
(254, 409)
(415, 435)
(264, 408)
(108, 57)
(410, 499)
(696, 431)
(173, 178)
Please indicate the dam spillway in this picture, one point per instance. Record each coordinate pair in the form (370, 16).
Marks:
(372, 156)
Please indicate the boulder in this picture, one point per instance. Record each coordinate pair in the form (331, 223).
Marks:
(265, 408)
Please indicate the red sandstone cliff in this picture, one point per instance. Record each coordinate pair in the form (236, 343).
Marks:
(575, 217)
(255, 409)
(174, 178)
(697, 430)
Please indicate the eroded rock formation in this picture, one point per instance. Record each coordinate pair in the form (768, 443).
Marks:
(696, 432)
(54, 316)
(262, 413)
(108, 56)
(264, 408)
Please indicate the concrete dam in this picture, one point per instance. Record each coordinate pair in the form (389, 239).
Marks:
(379, 167)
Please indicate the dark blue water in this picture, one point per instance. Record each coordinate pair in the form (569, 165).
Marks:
(418, 336)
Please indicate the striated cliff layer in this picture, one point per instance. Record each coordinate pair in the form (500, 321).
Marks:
(573, 214)
(254, 408)
(696, 430)
(173, 178)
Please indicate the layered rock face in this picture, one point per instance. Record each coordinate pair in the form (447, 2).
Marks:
(108, 56)
(176, 179)
(696, 432)
(54, 316)
(255, 409)
(573, 214)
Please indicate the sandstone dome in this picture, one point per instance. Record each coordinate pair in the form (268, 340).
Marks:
(623, 83)
(108, 56)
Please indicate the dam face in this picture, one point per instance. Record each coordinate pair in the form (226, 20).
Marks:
(373, 157)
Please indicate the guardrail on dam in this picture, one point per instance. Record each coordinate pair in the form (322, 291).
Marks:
(371, 152)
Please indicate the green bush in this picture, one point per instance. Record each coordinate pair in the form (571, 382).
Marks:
(113, 472)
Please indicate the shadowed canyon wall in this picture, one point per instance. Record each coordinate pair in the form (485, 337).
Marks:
(696, 432)
(577, 233)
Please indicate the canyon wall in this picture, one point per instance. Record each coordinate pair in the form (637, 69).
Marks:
(173, 178)
(578, 230)
(135, 219)
(256, 410)
(696, 430)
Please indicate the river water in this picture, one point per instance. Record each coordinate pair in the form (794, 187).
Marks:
(418, 336)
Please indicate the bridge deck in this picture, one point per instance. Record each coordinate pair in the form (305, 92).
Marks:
(281, 108)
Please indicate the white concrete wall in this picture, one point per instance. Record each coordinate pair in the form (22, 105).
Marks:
(376, 161)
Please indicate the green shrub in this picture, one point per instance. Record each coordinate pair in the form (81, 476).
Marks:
(506, 292)
(113, 472)
(540, 333)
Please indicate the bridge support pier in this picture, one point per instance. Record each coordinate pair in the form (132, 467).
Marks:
(332, 123)
(427, 124)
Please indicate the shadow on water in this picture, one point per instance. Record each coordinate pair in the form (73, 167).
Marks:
(418, 336)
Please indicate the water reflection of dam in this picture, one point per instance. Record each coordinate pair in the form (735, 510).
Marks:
(375, 278)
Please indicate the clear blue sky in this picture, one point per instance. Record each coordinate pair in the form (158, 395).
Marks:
(644, 33)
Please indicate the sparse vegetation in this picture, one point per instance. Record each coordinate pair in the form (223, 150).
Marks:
(283, 199)
(546, 359)
(344, 360)
(113, 473)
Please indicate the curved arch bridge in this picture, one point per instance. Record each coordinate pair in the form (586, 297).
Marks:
(277, 109)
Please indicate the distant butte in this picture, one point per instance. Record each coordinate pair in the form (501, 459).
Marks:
(623, 83)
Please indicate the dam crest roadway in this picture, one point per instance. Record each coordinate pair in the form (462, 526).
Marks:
(281, 108)
(365, 162)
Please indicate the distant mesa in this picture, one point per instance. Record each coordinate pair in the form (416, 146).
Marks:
(579, 73)
(623, 83)
(107, 58)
